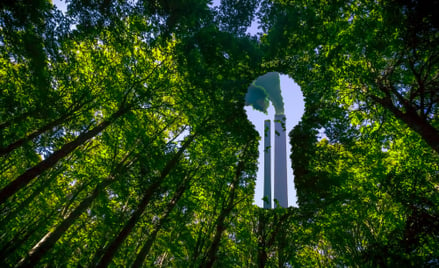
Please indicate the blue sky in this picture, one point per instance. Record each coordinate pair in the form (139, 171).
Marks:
(294, 108)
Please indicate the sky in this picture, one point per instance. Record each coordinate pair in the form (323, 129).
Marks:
(294, 108)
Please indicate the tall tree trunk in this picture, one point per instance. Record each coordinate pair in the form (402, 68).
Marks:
(17, 119)
(47, 242)
(198, 246)
(123, 234)
(54, 158)
(146, 247)
(418, 124)
(423, 128)
(68, 115)
(14, 145)
(17, 207)
(14, 213)
(262, 241)
(19, 239)
(210, 258)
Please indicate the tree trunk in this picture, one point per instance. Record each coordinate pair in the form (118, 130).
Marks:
(13, 214)
(24, 179)
(421, 126)
(68, 115)
(120, 238)
(198, 246)
(146, 247)
(17, 119)
(47, 242)
(267, 240)
(262, 248)
(14, 145)
(18, 240)
(17, 207)
(210, 258)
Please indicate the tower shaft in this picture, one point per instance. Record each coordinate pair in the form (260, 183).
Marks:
(280, 161)
(267, 164)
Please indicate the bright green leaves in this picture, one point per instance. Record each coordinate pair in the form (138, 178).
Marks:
(88, 149)
(348, 190)
(360, 53)
(93, 115)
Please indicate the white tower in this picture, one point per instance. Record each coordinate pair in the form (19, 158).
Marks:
(280, 161)
(267, 164)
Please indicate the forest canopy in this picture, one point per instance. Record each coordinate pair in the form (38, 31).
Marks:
(124, 142)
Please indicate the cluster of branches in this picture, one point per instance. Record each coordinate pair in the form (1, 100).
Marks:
(114, 141)
(123, 139)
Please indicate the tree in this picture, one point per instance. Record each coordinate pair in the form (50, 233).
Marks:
(369, 80)
(374, 58)
(341, 191)
(123, 139)
(92, 156)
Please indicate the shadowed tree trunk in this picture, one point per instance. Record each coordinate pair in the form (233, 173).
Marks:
(210, 256)
(262, 248)
(123, 234)
(157, 226)
(33, 172)
(412, 119)
(49, 240)
(266, 240)
(18, 143)
(16, 211)
(20, 239)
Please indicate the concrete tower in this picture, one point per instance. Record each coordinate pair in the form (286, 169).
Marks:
(280, 161)
(267, 164)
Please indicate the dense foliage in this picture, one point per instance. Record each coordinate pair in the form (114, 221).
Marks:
(124, 142)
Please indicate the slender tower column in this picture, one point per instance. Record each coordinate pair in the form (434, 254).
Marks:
(267, 164)
(280, 161)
